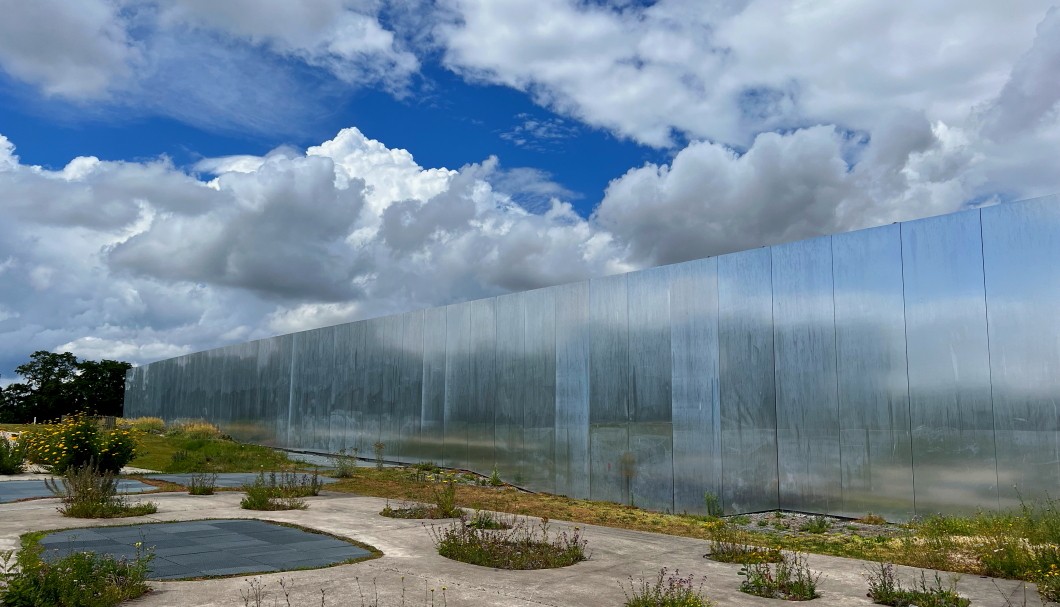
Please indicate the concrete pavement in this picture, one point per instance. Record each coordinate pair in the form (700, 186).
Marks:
(410, 560)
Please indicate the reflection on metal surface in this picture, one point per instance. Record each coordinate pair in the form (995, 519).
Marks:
(954, 468)
(871, 364)
(902, 370)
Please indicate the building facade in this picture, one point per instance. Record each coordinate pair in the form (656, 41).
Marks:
(907, 369)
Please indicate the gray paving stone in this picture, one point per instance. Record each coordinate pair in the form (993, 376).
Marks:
(12, 491)
(200, 549)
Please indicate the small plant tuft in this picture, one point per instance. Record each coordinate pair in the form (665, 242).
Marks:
(202, 483)
(280, 492)
(790, 579)
(886, 589)
(872, 519)
(484, 519)
(379, 449)
(666, 591)
(816, 524)
(495, 479)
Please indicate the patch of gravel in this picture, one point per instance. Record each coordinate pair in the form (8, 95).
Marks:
(783, 523)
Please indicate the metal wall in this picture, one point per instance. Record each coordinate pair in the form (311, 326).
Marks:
(907, 369)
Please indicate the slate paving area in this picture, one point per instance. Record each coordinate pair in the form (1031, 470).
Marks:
(204, 548)
(227, 480)
(12, 491)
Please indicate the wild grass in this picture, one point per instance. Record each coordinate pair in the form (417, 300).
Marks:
(194, 429)
(283, 492)
(667, 590)
(86, 492)
(729, 544)
(885, 588)
(790, 579)
(147, 425)
(526, 545)
(202, 483)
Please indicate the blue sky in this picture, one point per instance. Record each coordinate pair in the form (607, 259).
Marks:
(182, 175)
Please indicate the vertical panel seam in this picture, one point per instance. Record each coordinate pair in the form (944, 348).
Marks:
(776, 396)
(989, 357)
(908, 384)
(838, 404)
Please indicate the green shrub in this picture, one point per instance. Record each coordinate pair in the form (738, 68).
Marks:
(523, 546)
(713, 505)
(12, 458)
(346, 464)
(666, 591)
(81, 579)
(283, 492)
(886, 589)
(445, 499)
(790, 579)
(495, 479)
(76, 442)
(86, 492)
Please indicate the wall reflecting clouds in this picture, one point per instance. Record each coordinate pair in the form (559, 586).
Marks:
(908, 369)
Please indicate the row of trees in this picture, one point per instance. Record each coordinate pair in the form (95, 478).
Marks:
(61, 384)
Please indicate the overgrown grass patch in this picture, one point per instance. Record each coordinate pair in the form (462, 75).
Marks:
(86, 492)
(180, 454)
(526, 545)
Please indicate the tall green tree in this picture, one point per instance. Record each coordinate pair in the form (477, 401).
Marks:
(57, 384)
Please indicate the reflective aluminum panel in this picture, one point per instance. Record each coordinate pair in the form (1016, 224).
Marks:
(457, 384)
(912, 367)
(807, 402)
(511, 378)
(539, 408)
(432, 417)
(949, 365)
(650, 374)
(572, 389)
(873, 385)
(1021, 251)
(480, 428)
(696, 398)
(410, 390)
(612, 464)
(748, 399)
